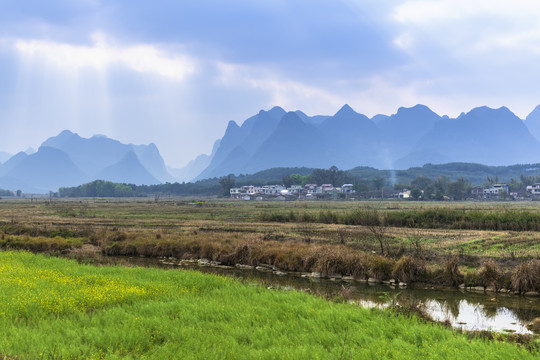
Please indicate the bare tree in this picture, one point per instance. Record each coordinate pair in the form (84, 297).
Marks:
(376, 224)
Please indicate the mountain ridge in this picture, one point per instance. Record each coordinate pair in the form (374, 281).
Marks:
(275, 138)
(69, 159)
(412, 136)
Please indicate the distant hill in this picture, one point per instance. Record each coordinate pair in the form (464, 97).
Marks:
(43, 171)
(4, 156)
(12, 162)
(401, 131)
(294, 143)
(408, 139)
(194, 167)
(475, 173)
(533, 122)
(350, 138)
(484, 135)
(239, 142)
(128, 170)
(93, 155)
(68, 159)
(411, 137)
(207, 187)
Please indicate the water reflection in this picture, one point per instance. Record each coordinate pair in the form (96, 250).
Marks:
(468, 311)
(470, 316)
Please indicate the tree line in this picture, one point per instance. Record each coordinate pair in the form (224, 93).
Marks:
(422, 187)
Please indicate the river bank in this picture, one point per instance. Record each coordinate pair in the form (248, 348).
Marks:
(57, 308)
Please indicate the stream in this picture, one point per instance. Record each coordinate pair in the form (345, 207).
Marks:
(465, 310)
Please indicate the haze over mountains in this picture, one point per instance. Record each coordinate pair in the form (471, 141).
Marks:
(276, 138)
(411, 137)
(69, 160)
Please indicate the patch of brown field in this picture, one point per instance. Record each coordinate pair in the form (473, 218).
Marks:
(228, 231)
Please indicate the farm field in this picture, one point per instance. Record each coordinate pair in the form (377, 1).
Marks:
(436, 243)
(56, 308)
(473, 231)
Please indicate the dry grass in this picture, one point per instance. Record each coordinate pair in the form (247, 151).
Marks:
(231, 232)
(526, 277)
(408, 270)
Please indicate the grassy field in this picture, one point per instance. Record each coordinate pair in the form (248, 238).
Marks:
(55, 308)
(449, 241)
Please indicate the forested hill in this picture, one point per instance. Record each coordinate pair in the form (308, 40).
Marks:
(206, 187)
(477, 174)
(474, 174)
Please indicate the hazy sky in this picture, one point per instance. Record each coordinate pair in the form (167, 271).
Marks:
(174, 72)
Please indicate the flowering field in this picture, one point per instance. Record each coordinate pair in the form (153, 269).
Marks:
(54, 308)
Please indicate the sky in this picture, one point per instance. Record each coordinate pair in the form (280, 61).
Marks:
(174, 72)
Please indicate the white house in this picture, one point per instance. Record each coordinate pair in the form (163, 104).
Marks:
(295, 189)
(347, 189)
(534, 189)
(311, 188)
(496, 190)
(405, 194)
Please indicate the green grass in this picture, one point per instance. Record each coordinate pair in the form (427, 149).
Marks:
(55, 308)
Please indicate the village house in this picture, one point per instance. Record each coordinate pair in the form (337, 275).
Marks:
(347, 189)
(534, 190)
(329, 189)
(405, 194)
(280, 192)
(295, 189)
(477, 192)
(311, 188)
(495, 191)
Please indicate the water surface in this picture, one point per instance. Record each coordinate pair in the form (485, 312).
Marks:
(465, 310)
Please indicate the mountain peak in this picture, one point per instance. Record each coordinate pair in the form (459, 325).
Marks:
(59, 140)
(418, 108)
(278, 109)
(290, 122)
(265, 116)
(484, 110)
(231, 126)
(345, 110)
(128, 170)
(66, 133)
(533, 122)
(534, 114)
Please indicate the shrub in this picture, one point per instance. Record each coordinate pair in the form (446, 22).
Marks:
(489, 274)
(526, 277)
(117, 236)
(359, 266)
(408, 269)
(381, 267)
(331, 262)
(471, 278)
(451, 274)
(241, 254)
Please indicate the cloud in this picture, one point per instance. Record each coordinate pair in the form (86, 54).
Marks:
(479, 26)
(103, 54)
(280, 90)
(174, 72)
(433, 11)
(484, 52)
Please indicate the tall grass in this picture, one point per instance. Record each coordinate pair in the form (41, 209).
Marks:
(58, 309)
(436, 218)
